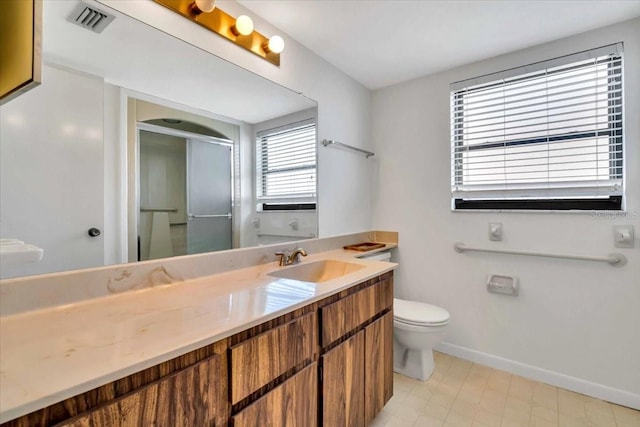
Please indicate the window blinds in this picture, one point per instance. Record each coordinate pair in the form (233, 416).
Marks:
(548, 130)
(286, 164)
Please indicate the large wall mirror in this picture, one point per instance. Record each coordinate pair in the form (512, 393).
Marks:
(140, 146)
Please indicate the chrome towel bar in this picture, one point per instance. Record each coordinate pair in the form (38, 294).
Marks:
(617, 260)
(327, 142)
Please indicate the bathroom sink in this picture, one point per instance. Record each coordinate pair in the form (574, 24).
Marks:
(316, 272)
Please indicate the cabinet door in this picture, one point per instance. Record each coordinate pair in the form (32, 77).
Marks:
(378, 365)
(293, 403)
(186, 398)
(343, 384)
(259, 360)
(347, 314)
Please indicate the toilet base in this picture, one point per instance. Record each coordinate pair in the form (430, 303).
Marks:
(416, 364)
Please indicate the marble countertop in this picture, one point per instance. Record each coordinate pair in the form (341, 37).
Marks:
(54, 353)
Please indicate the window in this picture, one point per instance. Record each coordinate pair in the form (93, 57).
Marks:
(544, 136)
(286, 167)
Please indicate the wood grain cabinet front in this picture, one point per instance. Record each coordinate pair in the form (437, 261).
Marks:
(347, 314)
(259, 360)
(378, 365)
(294, 403)
(185, 398)
(343, 384)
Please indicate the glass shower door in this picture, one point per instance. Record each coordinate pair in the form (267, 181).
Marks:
(209, 196)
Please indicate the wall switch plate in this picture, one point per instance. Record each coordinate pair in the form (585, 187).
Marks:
(623, 236)
(495, 231)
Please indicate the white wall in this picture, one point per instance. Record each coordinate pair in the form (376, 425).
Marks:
(574, 318)
(344, 108)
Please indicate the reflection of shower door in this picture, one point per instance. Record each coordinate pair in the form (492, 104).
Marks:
(209, 196)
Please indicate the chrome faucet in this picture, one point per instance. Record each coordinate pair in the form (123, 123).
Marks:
(293, 258)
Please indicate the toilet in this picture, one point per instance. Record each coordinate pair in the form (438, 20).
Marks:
(417, 328)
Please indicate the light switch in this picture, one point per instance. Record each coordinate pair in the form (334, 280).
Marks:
(623, 236)
(495, 231)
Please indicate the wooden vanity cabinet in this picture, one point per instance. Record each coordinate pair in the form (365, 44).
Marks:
(357, 373)
(328, 363)
(292, 403)
(184, 398)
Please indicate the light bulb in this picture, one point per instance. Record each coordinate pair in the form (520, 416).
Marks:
(276, 44)
(244, 26)
(205, 6)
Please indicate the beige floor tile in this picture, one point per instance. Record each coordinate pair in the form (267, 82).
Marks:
(566, 421)
(517, 404)
(408, 415)
(493, 401)
(601, 419)
(423, 390)
(428, 421)
(471, 396)
(626, 415)
(541, 422)
(515, 415)
(415, 402)
(571, 407)
(467, 409)
(464, 394)
(443, 399)
(544, 413)
(488, 419)
(397, 422)
(457, 419)
(507, 422)
(434, 410)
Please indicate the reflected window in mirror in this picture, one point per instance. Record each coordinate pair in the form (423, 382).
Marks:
(286, 167)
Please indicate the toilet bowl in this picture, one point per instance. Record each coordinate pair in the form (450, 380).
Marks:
(417, 328)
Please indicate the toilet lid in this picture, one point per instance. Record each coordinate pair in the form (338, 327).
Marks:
(419, 313)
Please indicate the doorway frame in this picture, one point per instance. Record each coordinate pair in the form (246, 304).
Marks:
(134, 230)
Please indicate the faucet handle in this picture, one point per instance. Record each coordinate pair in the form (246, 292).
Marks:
(281, 258)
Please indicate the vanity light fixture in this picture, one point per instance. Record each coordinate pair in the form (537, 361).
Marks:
(199, 6)
(244, 26)
(275, 45)
(239, 31)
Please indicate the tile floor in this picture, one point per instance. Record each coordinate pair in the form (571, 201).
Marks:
(464, 394)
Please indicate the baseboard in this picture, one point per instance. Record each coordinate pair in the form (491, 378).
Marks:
(599, 391)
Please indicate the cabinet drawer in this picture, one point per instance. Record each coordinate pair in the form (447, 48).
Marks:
(292, 403)
(186, 398)
(259, 360)
(345, 315)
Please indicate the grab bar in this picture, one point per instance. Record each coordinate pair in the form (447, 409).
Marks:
(368, 154)
(309, 236)
(228, 215)
(616, 259)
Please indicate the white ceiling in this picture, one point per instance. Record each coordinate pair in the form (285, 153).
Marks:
(384, 42)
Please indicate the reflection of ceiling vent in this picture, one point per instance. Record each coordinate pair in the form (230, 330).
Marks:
(90, 17)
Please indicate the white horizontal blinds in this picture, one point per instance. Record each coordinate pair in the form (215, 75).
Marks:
(286, 163)
(549, 130)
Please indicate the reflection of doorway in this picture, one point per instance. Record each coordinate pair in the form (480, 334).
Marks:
(185, 192)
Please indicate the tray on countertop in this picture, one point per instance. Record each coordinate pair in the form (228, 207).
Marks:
(364, 247)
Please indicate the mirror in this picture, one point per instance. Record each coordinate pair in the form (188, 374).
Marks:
(103, 162)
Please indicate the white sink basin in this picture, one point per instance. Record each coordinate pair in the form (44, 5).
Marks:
(316, 272)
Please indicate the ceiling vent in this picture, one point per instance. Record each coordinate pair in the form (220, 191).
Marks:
(90, 17)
